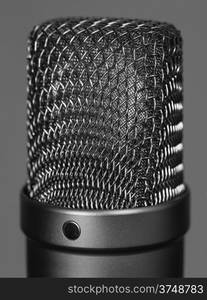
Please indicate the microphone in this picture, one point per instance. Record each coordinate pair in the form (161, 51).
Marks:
(105, 195)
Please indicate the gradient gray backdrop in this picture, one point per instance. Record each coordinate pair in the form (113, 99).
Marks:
(16, 20)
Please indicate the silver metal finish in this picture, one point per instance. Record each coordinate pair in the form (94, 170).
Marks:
(105, 195)
(105, 113)
(106, 229)
(164, 261)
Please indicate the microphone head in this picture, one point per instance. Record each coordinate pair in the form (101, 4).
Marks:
(105, 113)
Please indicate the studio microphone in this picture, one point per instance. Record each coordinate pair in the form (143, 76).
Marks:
(105, 195)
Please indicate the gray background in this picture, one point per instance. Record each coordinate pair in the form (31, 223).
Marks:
(16, 20)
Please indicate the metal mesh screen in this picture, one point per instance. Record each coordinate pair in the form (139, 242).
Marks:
(104, 113)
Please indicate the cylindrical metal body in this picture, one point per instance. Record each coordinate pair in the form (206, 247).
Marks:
(159, 261)
(143, 242)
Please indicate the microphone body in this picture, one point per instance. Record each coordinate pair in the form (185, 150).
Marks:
(166, 261)
(105, 195)
(108, 243)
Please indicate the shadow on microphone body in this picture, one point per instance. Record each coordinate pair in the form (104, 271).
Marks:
(161, 261)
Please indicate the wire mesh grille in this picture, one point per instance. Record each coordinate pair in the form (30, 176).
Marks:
(104, 113)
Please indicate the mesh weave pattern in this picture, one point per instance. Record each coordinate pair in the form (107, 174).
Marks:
(104, 113)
